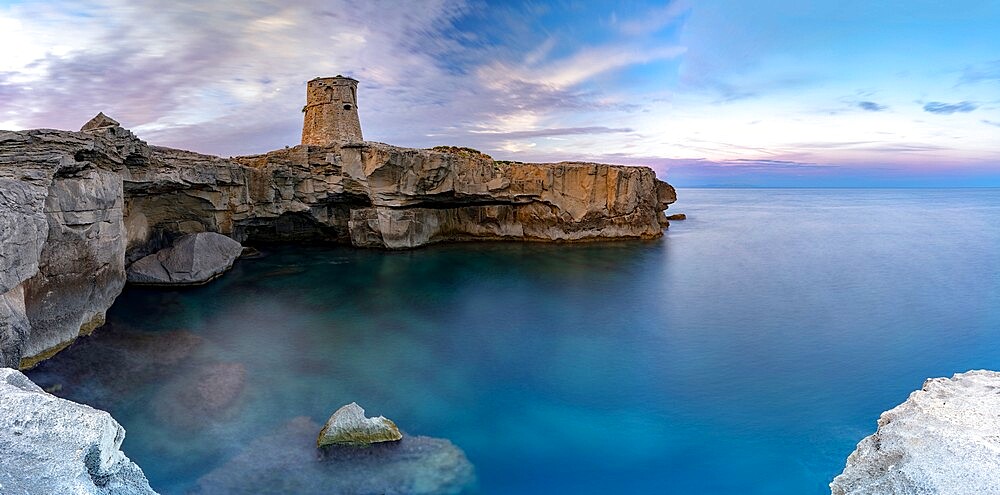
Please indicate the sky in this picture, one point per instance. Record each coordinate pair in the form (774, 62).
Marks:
(708, 92)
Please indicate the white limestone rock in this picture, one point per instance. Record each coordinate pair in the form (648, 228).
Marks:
(945, 439)
(194, 259)
(50, 445)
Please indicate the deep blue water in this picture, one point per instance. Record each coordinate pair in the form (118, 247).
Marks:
(747, 352)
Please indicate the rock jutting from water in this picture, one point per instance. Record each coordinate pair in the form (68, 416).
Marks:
(349, 426)
(52, 445)
(945, 439)
(193, 259)
(78, 209)
(287, 461)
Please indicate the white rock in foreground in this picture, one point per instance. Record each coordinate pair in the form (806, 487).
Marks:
(945, 439)
(50, 445)
(193, 259)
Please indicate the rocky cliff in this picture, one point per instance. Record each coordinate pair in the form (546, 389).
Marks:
(77, 208)
(52, 445)
(945, 439)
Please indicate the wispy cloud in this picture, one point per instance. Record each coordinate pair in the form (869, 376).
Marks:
(989, 71)
(990, 122)
(561, 131)
(950, 108)
(655, 19)
(178, 74)
(871, 106)
(571, 70)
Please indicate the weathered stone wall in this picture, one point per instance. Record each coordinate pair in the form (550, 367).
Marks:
(331, 112)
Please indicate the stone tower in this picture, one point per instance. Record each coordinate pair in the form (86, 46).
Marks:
(331, 111)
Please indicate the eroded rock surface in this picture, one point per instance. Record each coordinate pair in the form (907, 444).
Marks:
(287, 461)
(349, 426)
(945, 439)
(52, 445)
(62, 258)
(193, 259)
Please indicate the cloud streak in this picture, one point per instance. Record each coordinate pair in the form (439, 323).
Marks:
(871, 106)
(950, 108)
(562, 131)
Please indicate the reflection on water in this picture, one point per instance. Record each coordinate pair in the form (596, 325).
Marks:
(747, 352)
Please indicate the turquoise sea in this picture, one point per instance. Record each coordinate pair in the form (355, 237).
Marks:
(746, 352)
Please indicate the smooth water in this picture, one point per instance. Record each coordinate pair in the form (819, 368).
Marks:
(746, 352)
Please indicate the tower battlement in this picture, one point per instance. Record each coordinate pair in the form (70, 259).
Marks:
(331, 111)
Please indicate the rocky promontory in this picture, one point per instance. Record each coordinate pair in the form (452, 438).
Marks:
(945, 439)
(77, 209)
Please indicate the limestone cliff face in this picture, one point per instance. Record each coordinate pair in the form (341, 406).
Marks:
(63, 248)
(77, 208)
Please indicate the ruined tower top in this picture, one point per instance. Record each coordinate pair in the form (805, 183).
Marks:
(331, 111)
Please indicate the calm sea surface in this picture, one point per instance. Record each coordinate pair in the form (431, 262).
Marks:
(746, 352)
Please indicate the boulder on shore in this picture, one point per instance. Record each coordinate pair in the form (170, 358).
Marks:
(349, 426)
(52, 445)
(194, 259)
(945, 439)
(677, 216)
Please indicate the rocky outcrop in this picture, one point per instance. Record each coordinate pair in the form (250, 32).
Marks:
(349, 426)
(376, 195)
(62, 255)
(78, 208)
(287, 461)
(945, 439)
(99, 121)
(192, 260)
(51, 445)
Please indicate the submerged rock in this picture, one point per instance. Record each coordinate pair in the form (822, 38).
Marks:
(677, 216)
(286, 461)
(195, 400)
(194, 259)
(945, 439)
(52, 445)
(349, 426)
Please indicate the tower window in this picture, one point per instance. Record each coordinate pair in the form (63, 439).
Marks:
(347, 107)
